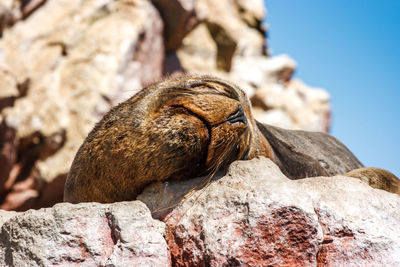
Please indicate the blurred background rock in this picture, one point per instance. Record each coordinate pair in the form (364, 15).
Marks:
(65, 63)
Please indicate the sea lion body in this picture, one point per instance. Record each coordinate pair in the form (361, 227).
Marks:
(179, 128)
(186, 127)
(301, 154)
(377, 178)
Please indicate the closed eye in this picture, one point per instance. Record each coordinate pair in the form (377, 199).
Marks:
(213, 86)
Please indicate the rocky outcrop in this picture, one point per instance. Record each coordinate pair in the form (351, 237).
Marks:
(75, 60)
(252, 215)
(120, 234)
(63, 64)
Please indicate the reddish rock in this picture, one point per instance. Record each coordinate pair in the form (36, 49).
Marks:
(90, 234)
(286, 232)
(252, 216)
(256, 216)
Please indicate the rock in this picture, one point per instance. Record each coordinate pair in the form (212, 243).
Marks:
(198, 52)
(252, 12)
(8, 85)
(6, 215)
(274, 117)
(8, 156)
(81, 58)
(63, 64)
(8, 14)
(254, 215)
(261, 70)
(225, 21)
(11, 89)
(11, 11)
(230, 35)
(90, 234)
(179, 18)
(308, 108)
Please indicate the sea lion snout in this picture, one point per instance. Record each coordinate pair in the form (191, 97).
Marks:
(238, 116)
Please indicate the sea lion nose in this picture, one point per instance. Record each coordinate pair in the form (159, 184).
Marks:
(238, 116)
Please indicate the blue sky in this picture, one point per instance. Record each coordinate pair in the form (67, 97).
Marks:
(352, 49)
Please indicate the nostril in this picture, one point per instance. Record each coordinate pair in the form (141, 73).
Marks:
(238, 116)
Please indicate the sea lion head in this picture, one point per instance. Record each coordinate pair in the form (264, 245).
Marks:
(223, 111)
(176, 129)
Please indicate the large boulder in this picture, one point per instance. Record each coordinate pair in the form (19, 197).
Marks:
(254, 215)
(90, 234)
(75, 60)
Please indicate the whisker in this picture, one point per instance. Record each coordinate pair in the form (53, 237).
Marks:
(220, 158)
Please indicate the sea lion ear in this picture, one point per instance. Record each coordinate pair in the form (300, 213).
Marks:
(377, 178)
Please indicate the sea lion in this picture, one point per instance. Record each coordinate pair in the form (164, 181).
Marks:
(377, 178)
(186, 127)
(178, 128)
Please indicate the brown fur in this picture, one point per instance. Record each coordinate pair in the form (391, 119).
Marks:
(377, 178)
(175, 129)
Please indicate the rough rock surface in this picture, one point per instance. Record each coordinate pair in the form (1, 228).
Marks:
(254, 215)
(90, 234)
(75, 60)
(63, 64)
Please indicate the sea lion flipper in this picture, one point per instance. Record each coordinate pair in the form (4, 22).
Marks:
(377, 178)
(305, 154)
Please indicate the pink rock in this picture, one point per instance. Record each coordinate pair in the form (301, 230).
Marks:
(90, 234)
(256, 216)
